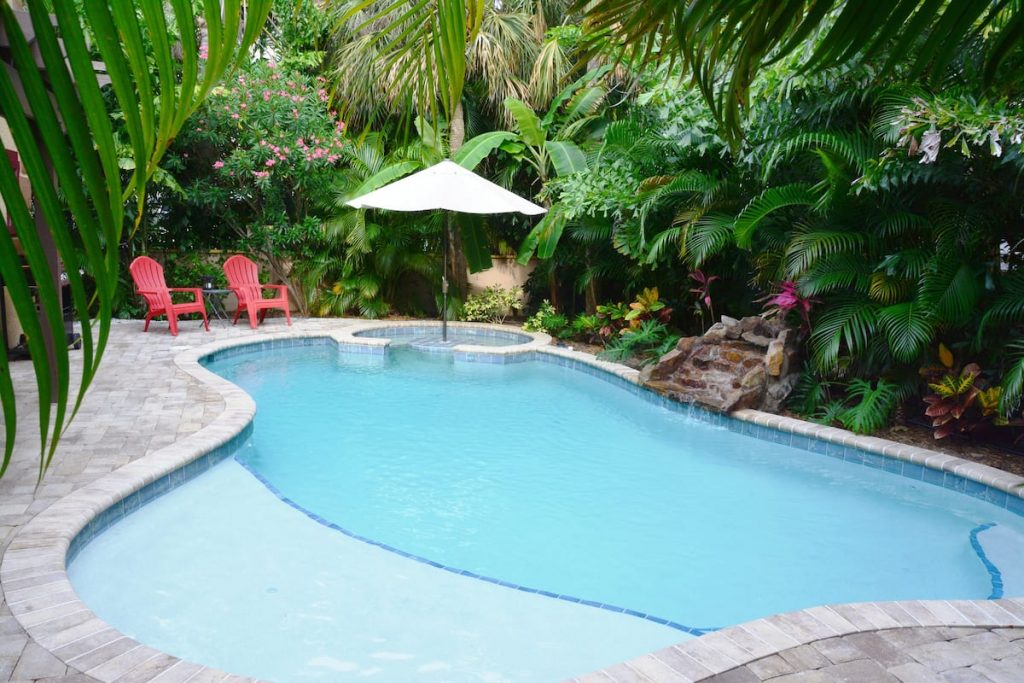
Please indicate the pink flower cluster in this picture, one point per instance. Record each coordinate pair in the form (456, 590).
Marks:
(310, 138)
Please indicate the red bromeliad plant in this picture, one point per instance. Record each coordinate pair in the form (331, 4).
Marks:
(703, 290)
(789, 298)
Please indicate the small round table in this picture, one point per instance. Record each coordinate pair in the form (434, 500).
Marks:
(216, 297)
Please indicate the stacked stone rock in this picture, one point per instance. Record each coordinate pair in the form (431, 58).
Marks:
(747, 363)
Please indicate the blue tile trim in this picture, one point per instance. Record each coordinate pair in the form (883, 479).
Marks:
(432, 331)
(993, 571)
(170, 481)
(465, 572)
(269, 347)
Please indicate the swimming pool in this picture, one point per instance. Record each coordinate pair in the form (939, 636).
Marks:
(537, 476)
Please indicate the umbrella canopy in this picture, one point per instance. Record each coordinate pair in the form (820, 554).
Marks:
(446, 186)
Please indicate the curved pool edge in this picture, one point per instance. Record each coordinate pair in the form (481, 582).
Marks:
(53, 615)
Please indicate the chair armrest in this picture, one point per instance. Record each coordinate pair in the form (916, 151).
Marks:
(197, 291)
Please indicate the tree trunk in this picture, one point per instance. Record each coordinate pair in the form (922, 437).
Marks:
(591, 289)
(457, 265)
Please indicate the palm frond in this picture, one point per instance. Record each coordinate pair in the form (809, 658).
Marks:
(806, 248)
(952, 289)
(908, 329)
(1013, 381)
(1008, 307)
(63, 121)
(723, 45)
(853, 148)
(768, 202)
(847, 326)
(873, 405)
(707, 237)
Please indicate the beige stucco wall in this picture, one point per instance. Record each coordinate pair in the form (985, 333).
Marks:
(504, 273)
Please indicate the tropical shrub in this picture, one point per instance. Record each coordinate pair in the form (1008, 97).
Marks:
(546, 319)
(493, 305)
(647, 341)
(257, 164)
(952, 405)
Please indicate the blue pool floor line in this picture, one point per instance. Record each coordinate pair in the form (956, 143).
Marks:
(993, 571)
(694, 631)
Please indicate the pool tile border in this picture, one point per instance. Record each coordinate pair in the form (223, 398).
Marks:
(47, 607)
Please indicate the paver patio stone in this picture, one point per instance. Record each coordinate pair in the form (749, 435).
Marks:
(860, 671)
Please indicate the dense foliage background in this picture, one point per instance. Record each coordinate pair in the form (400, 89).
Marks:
(873, 200)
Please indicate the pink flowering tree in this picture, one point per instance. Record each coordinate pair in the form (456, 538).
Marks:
(256, 164)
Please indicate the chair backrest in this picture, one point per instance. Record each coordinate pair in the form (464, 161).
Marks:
(148, 276)
(243, 276)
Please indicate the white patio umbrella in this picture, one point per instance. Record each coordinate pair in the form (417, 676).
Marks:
(451, 187)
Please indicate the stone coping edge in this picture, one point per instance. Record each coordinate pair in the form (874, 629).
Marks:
(39, 594)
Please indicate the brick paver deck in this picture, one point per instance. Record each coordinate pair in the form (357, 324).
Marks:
(141, 402)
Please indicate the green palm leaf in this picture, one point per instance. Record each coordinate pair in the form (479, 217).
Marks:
(952, 290)
(67, 128)
(724, 44)
(1008, 307)
(768, 202)
(530, 128)
(849, 326)
(708, 236)
(544, 236)
(806, 248)
(908, 329)
(1013, 381)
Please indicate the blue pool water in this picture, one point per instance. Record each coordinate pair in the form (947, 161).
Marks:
(531, 474)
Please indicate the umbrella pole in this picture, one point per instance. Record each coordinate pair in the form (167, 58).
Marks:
(444, 279)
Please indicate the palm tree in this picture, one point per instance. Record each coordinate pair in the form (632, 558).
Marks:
(724, 43)
(67, 146)
(405, 61)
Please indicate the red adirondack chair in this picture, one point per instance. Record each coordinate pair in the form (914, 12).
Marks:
(149, 282)
(244, 280)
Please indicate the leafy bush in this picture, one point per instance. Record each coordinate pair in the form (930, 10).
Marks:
(871, 407)
(586, 328)
(188, 270)
(492, 305)
(858, 405)
(958, 405)
(649, 341)
(546, 319)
